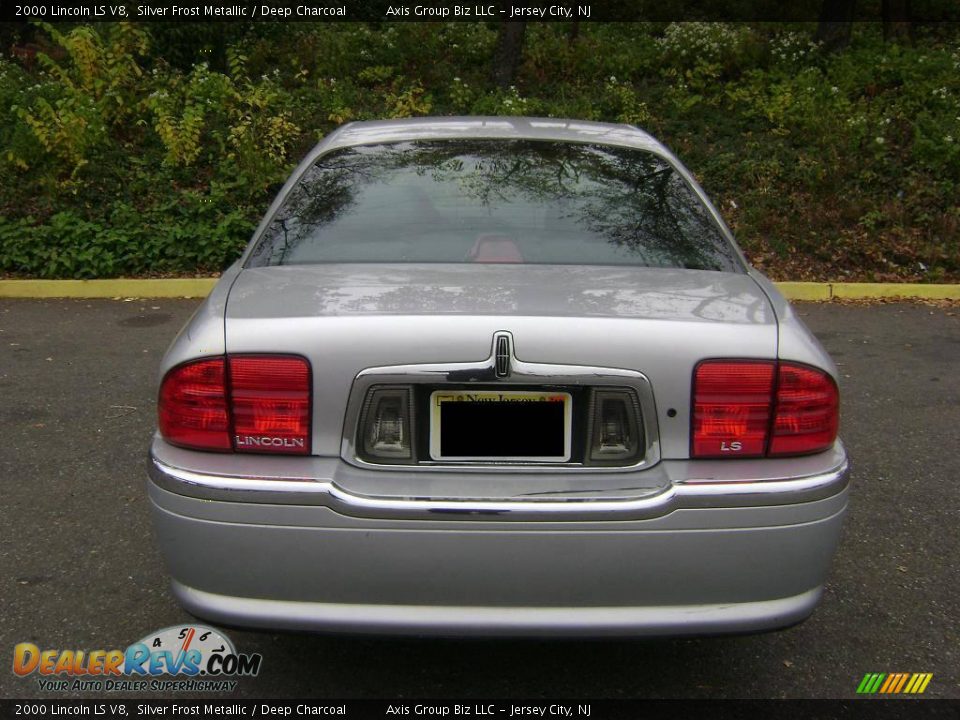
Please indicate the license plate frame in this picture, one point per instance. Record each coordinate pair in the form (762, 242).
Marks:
(501, 399)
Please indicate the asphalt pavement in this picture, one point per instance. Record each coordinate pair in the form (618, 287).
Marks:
(79, 569)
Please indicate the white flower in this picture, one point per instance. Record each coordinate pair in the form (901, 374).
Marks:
(879, 140)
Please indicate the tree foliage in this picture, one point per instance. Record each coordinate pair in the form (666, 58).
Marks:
(152, 149)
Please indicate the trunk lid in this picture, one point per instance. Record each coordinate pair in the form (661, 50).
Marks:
(346, 318)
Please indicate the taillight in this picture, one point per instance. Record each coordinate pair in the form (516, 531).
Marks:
(731, 408)
(192, 407)
(745, 408)
(808, 411)
(270, 400)
(247, 403)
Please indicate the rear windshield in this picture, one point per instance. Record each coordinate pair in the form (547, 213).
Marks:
(462, 201)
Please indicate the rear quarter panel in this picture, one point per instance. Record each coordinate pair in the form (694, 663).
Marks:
(203, 335)
(794, 340)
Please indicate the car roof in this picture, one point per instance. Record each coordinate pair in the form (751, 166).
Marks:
(518, 128)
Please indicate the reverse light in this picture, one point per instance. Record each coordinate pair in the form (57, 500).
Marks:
(757, 408)
(245, 403)
(615, 435)
(385, 426)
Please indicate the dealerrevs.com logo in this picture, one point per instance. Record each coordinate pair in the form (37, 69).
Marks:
(177, 658)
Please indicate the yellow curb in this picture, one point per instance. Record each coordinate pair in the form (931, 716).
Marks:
(887, 290)
(804, 290)
(119, 287)
(201, 287)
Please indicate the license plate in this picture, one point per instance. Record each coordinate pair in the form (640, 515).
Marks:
(499, 426)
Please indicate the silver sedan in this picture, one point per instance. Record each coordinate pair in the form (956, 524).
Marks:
(510, 376)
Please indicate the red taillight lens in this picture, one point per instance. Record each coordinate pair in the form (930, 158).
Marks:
(731, 408)
(192, 406)
(754, 408)
(270, 400)
(268, 404)
(807, 412)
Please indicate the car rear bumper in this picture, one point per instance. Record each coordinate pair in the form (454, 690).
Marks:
(485, 621)
(687, 570)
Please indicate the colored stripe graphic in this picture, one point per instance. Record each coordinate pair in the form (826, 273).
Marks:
(871, 683)
(894, 683)
(923, 679)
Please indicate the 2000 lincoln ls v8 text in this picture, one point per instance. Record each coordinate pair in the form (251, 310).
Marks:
(496, 376)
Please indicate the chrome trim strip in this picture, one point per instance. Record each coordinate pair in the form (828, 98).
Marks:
(689, 494)
(485, 372)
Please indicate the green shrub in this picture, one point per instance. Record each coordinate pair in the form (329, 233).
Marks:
(151, 149)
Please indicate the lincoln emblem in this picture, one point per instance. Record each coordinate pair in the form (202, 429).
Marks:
(502, 355)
